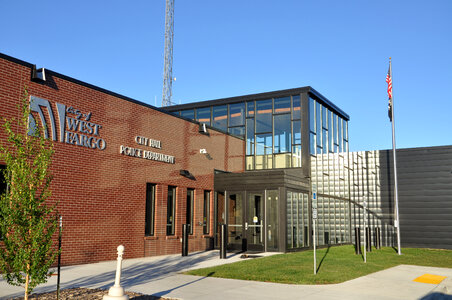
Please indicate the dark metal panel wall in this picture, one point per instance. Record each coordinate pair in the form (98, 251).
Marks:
(425, 194)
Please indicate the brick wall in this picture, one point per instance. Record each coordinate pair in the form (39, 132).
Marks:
(101, 194)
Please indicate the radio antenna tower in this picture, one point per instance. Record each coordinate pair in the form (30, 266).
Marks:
(168, 62)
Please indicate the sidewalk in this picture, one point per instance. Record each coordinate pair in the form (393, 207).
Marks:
(160, 276)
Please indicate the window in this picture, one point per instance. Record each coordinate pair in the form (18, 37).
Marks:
(189, 212)
(264, 116)
(189, 114)
(250, 109)
(237, 114)
(220, 117)
(283, 134)
(282, 105)
(238, 131)
(203, 115)
(170, 210)
(312, 115)
(206, 213)
(249, 136)
(296, 107)
(150, 209)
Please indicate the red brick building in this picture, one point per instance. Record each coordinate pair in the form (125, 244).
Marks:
(124, 172)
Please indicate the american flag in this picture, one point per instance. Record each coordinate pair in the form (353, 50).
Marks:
(389, 81)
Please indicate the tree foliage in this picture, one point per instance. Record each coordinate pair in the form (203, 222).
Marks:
(27, 222)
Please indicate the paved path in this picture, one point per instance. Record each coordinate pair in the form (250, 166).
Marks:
(160, 276)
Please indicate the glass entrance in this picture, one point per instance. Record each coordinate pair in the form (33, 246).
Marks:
(254, 222)
(235, 221)
(251, 218)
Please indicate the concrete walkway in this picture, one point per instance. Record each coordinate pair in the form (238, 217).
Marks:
(160, 276)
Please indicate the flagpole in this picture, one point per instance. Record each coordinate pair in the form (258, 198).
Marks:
(396, 193)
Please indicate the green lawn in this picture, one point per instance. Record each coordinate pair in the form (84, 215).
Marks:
(335, 265)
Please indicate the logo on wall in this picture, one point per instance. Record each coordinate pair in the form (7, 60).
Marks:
(76, 127)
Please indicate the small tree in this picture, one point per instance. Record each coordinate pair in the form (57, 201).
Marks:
(27, 223)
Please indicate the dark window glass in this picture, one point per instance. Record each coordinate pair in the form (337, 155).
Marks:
(250, 109)
(237, 114)
(206, 213)
(189, 114)
(170, 210)
(282, 105)
(296, 132)
(220, 117)
(311, 115)
(150, 209)
(296, 107)
(249, 136)
(189, 212)
(264, 116)
(239, 131)
(203, 115)
(283, 136)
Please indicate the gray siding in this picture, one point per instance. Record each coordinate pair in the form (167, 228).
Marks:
(425, 194)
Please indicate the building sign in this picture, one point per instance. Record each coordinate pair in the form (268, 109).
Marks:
(76, 127)
(147, 154)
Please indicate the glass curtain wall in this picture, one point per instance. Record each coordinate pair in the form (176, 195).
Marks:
(330, 171)
(271, 127)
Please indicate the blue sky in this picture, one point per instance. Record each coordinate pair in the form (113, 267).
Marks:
(236, 47)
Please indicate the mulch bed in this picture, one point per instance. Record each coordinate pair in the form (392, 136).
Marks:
(88, 294)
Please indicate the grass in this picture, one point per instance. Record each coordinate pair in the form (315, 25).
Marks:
(334, 265)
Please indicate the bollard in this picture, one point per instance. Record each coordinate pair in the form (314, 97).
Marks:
(116, 292)
(223, 240)
(377, 238)
(368, 240)
(185, 228)
(357, 241)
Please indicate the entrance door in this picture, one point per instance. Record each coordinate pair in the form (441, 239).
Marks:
(236, 207)
(246, 221)
(254, 222)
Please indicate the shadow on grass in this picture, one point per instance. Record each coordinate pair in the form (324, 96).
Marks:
(323, 258)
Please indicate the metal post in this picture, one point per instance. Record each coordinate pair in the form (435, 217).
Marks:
(357, 241)
(314, 242)
(59, 257)
(369, 240)
(223, 240)
(365, 226)
(314, 218)
(396, 193)
(377, 238)
(185, 239)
